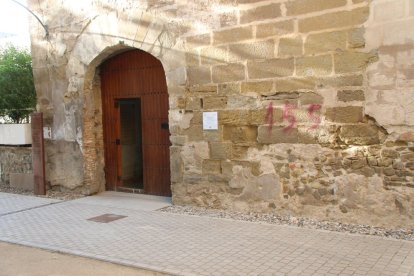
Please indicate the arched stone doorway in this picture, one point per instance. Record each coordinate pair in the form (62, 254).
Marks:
(135, 123)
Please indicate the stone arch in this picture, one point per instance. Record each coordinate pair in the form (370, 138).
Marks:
(93, 145)
(164, 47)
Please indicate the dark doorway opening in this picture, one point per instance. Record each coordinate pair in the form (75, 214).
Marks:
(131, 143)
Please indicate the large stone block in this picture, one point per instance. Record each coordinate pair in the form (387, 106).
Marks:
(194, 133)
(348, 114)
(307, 6)
(240, 134)
(213, 55)
(310, 98)
(295, 84)
(232, 35)
(198, 75)
(228, 73)
(251, 51)
(176, 90)
(291, 46)
(261, 116)
(220, 151)
(359, 134)
(211, 166)
(325, 42)
(233, 117)
(229, 88)
(192, 58)
(270, 11)
(338, 19)
(215, 102)
(176, 164)
(349, 62)
(351, 95)
(314, 65)
(193, 103)
(259, 87)
(276, 135)
(198, 41)
(242, 102)
(203, 89)
(270, 68)
(176, 77)
(274, 29)
(340, 81)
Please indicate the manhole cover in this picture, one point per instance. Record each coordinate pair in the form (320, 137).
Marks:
(105, 218)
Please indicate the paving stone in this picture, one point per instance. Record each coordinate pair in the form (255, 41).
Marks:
(192, 245)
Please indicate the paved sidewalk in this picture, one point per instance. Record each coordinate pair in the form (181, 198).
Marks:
(17, 260)
(189, 245)
(10, 203)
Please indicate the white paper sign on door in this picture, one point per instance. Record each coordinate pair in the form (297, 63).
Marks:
(210, 121)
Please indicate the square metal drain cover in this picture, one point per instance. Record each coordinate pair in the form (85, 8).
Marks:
(105, 218)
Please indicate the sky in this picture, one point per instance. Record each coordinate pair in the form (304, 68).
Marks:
(14, 20)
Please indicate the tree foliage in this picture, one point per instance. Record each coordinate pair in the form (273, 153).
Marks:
(17, 92)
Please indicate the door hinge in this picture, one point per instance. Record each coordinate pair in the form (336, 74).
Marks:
(119, 178)
(164, 125)
(116, 103)
(118, 141)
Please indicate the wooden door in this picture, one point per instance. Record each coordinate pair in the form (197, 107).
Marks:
(137, 75)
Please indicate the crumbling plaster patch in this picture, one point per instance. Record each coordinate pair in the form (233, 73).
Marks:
(389, 97)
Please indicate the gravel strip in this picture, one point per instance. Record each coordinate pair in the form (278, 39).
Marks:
(402, 234)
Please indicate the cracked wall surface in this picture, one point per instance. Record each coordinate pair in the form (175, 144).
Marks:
(314, 100)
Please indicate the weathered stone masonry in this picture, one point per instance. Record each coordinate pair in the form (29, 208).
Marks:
(314, 100)
(14, 160)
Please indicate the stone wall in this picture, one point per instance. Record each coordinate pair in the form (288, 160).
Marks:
(313, 99)
(14, 160)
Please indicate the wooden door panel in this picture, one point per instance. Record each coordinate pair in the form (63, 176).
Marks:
(136, 74)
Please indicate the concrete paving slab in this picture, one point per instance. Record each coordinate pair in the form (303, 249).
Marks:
(127, 201)
(190, 245)
(10, 203)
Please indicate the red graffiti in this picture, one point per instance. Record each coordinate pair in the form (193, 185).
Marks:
(314, 118)
(288, 116)
(269, 117)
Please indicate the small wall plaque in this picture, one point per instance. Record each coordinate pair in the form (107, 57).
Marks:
(47, 132)
(210, 121)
